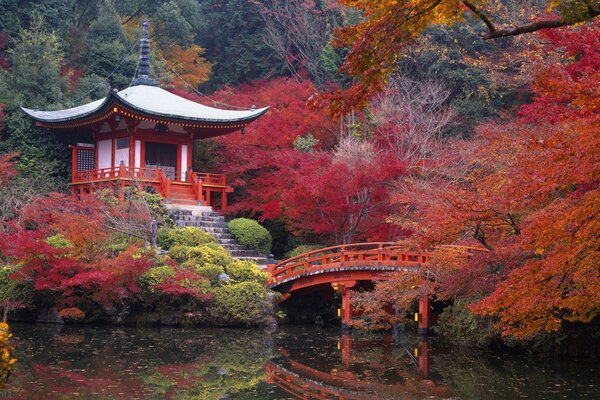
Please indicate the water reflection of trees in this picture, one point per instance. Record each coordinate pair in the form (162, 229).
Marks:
(131, 363)
(294, 362)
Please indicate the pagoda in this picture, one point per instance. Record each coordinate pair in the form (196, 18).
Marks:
(143, 136)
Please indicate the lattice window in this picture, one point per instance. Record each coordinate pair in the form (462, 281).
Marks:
(86, 159)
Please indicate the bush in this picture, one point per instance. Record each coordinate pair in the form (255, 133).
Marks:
(244, 303)
(251, 234)
(245, 271)
(208, 271)
(303, 248)
(188, 236)
(462, 327)
(14, 292)
(155, 276)
(59, 241)
(210, 253)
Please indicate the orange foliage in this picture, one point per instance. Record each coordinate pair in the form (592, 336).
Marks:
(71, 313)
(188, 64)
(528, 190)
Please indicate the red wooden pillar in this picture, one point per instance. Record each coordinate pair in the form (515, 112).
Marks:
(346, 311)
(223, 200)
(424, 316)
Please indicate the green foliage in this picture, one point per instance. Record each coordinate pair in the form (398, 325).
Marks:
(462, 327)
(163, 238)
(106, 46)
(156, 275)
(58, 241)
(303, 248)
(305, 143)
(245, 271)
(578, 10)
(35, 81)
(208, 271)
(251, 234)
(242, 303)
(173, 26)
(190, 236)
(232, 35)
(13, 292)
(209, 253)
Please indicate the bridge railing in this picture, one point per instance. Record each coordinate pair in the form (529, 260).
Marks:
(383, 253)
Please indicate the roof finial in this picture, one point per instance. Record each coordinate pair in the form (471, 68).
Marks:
(143, 71)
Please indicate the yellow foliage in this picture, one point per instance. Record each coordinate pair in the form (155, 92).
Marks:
(6, 360)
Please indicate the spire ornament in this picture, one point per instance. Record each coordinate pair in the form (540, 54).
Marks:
(143, 71)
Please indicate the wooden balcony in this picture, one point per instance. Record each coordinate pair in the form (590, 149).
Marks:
(189, 188)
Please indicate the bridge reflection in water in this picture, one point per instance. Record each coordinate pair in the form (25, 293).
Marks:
(307, 382)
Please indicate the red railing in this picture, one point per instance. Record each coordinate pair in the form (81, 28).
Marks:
(210, 179)
(123, 172)
(384, 254)
(165, 183)
(379, 253)
(197, 185)
(205, 185)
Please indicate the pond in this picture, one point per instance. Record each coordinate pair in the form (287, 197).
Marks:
(292, 362)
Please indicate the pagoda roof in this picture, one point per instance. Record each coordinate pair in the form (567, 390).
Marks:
(149, 101)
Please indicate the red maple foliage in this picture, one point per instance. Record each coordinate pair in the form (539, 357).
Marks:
(528, 191)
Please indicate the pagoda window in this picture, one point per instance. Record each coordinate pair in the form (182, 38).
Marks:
(163, 156)
(122, 151)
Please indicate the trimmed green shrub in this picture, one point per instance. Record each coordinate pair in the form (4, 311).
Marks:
(251, 234)
(210, 253)
(245, 271)
(208, 271)
(156, 275)
(188, 236)
(303, 248)
(164, 239)
(244, 303)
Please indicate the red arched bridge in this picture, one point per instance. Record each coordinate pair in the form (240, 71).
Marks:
(343, 266)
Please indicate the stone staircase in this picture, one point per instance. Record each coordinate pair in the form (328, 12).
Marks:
(205, 218)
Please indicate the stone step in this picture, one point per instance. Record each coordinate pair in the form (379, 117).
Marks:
(212, 230)
(232, 247)
(219, 236)
(244, 253)
(226, 241)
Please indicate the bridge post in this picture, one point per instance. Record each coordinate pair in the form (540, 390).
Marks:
(424, 315)
(344, 287)
(271, 264)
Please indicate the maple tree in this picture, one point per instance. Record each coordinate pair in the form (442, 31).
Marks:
(527, 190)
(7, 172)
(388, 27)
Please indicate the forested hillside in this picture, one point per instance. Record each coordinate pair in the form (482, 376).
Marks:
(435, 122)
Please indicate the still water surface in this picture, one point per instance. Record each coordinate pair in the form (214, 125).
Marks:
(296, 362)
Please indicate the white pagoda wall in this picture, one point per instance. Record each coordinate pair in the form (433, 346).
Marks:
(122, 155)
(105, 153)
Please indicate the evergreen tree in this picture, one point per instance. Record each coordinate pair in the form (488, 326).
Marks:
(234, 42)
(107, 50)
(34, 81)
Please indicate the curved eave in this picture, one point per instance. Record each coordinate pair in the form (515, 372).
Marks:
(103, 109)
(45, 117)
(174, 117)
